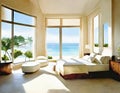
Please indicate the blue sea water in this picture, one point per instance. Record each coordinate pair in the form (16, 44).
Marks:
(68, 49)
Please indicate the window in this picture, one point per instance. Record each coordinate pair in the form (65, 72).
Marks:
(63, 37)
(23, 18)
(6, 37)
(96, 33)
(106, 35)
(53, 42)
(53, 22)
(17, 36)
(71, 22)
(6, 14)
(25, 36)
(70, 42)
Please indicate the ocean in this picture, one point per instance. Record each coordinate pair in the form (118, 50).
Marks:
(68, 49)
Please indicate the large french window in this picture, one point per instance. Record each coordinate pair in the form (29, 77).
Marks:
(53, 45)
(106, 35)
(96, 33)
(63, 37)
(17, 36)
(70, 41)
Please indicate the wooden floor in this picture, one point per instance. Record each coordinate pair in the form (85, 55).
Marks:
(47, 81)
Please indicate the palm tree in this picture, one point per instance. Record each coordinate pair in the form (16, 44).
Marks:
(6, 45)
(17, 41)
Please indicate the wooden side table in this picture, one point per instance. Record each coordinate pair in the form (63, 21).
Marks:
(115, 69)
(5, 68)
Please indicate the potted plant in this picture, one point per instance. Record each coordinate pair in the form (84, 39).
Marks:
(28, 54)
(49, 57)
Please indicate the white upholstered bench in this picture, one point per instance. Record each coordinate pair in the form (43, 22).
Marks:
(42, 63)
(30, 67)
(42, 60)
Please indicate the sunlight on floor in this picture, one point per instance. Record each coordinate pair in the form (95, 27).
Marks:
(44, 85)
(45, 82)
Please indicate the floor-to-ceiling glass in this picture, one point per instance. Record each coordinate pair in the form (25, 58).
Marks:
(6, 41)
(96, 33)
(70, 42)
(52, 41)
(17, 35)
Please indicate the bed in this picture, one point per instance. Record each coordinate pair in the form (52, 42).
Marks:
(69, 66)
(80, 67)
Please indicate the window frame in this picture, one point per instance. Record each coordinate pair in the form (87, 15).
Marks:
(16, 23)
(60, 31)
(96, 47)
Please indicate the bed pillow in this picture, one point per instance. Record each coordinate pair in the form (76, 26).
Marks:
(105, 59)
(92, 57)
(92, 54)
(88, 58)
(97, 59)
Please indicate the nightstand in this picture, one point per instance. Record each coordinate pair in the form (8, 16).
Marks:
(115, 69)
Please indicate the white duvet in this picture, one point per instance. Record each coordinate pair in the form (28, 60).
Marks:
(78, 65)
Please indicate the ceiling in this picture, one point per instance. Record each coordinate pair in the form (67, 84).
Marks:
(81, 7)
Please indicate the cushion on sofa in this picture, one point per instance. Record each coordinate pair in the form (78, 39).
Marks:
(42, 63)
(41, 58)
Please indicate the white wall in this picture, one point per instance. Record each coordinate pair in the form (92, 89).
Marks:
(104, 9)
(116, 24)
(106, 18)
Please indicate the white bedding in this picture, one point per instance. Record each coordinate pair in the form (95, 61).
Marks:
(92, 67)
(79, 65)
(69, 66)
(98, 67)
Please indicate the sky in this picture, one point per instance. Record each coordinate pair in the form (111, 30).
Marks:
(106, 33)
(69, 35)
(18, 29)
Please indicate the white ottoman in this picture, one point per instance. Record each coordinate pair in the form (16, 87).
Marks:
(30, 67)
(42, 62)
